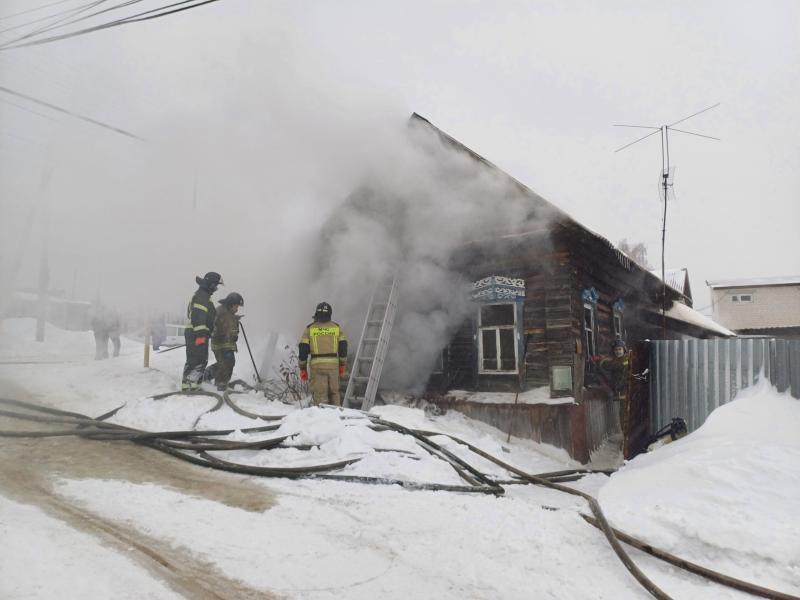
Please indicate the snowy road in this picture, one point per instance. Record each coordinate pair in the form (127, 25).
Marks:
(88, 519)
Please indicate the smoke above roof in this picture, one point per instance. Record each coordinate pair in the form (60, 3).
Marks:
(425, 198)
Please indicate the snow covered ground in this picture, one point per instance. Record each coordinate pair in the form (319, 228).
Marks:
(725, 497)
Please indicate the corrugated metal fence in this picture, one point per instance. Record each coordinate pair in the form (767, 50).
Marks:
(690, 378)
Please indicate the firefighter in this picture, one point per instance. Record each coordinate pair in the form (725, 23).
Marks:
(201, 313)
(106, 326)
(615, 368)
(224, 338)
(323, 348)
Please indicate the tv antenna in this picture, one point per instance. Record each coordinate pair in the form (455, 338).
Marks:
(665, 187)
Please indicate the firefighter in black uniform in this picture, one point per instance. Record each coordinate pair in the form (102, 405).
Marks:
(201, 313)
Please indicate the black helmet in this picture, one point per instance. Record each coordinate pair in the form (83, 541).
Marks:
(324, 312)
(210, 281)
(618, 343)
(233, 298)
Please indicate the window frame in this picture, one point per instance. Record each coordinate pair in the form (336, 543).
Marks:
(740, 298)
(441, 362)
(590, 350)
(497, 329)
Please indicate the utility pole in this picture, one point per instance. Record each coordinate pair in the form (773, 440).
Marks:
(44, 262)
(44, 285)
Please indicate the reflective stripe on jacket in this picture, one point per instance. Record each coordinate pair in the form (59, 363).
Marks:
(201, 314)
(322, 342)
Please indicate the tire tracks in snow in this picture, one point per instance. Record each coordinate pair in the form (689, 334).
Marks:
(29, 469)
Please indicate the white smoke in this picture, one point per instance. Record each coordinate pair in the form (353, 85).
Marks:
(422, 199)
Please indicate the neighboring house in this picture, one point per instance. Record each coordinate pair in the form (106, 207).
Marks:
(759, 306)
(678, 280)
(66, 314)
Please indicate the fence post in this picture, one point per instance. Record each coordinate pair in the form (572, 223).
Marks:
(794, 367)
(147, 344)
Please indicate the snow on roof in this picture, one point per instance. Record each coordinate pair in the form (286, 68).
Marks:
(681, 312)
(754, 282)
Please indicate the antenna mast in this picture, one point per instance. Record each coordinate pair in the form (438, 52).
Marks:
(666, 182)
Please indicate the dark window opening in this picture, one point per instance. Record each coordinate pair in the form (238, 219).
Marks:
(489, 354)
(494, 315)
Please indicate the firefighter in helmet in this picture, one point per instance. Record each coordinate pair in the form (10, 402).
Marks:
(323, 349)
(224, 338)
(201, 314)
(615, 368)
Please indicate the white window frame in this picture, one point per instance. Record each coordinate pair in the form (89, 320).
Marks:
(497, 329)
(740, 298)
(589, 351)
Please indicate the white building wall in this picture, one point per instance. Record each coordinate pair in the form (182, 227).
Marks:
(771, 306)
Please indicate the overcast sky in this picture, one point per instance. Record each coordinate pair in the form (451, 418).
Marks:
(258, 116)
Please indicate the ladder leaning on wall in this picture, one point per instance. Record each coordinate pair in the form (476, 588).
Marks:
(365, 375)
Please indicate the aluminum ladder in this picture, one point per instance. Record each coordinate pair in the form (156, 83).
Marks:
(365, 375)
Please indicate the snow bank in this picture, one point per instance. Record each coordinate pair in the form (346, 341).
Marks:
(724, 496)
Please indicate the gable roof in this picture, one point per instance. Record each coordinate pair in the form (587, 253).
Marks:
(560, 216)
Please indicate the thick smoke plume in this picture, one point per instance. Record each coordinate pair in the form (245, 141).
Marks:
(422, 199)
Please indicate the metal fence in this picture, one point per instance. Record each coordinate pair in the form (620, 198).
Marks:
(690, 378)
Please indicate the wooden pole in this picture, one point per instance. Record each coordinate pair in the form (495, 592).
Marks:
(147, 344)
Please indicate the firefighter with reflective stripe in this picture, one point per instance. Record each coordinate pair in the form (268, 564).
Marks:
(323, 349)
(201, 314)
(224, 338)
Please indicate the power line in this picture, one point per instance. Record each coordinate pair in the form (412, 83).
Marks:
(30, 10)
(65, 23)
(33, 112)
(143, 16)
(56, 23)
(68, 12)
(69, 112)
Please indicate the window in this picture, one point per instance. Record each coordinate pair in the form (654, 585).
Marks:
(738, 298)
(617, 320)
(438, 366)
(588, 329)
(561, 378)
(497, 338)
